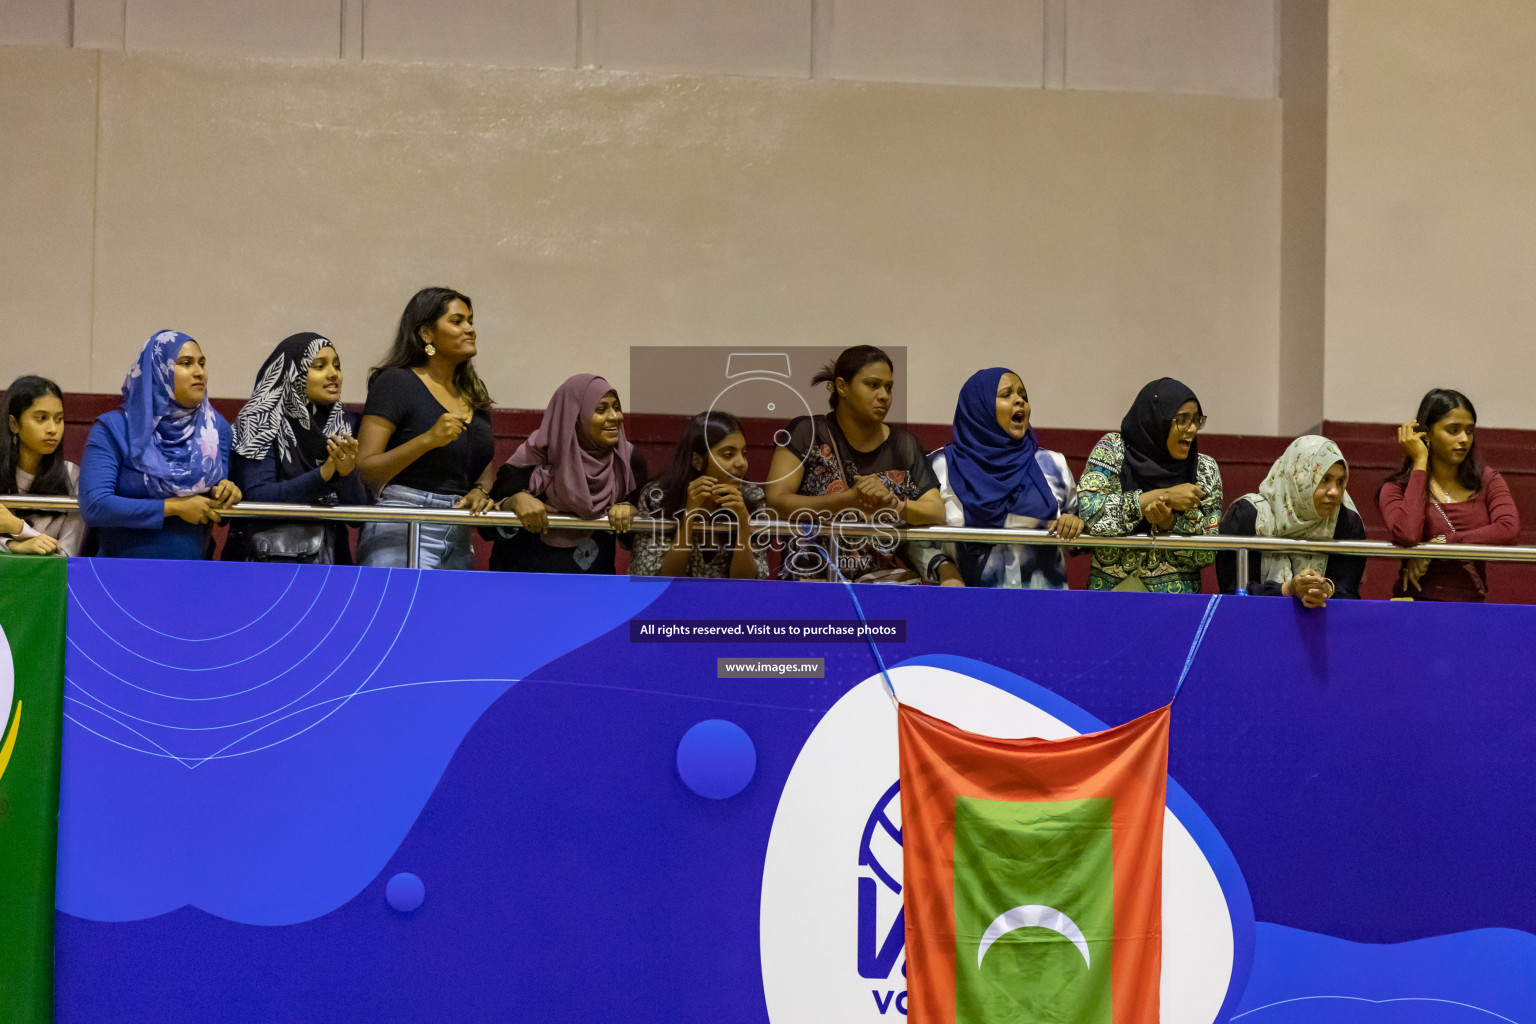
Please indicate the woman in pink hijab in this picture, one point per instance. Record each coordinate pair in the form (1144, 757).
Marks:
(577, 463)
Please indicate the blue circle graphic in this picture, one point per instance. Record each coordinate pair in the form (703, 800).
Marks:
(716, 759)
(405, 892)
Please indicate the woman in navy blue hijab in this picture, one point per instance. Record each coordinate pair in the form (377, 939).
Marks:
(995, 474)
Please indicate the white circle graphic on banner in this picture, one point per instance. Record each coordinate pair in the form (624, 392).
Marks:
(831, 945)
(7, 683)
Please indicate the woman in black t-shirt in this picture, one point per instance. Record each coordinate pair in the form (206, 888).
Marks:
(425, 440)
(852, 465)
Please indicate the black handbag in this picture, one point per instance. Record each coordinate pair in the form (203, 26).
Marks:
(298, 543)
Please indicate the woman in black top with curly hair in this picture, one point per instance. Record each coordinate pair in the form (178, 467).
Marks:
(425, 439)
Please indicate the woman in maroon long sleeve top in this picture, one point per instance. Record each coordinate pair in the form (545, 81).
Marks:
(1444, 494)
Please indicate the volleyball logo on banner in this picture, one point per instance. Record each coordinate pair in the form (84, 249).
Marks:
(832, 932)
(881, 923)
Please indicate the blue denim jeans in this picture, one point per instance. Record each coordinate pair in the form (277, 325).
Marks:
(442, 547)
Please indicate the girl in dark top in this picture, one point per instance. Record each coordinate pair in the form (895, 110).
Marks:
(852, 464)
(155, 472)
(1444, 495)
(294, 445)
(31, 463)
(425, 439)
(704, 493)
(1303, 497)
(577, 463)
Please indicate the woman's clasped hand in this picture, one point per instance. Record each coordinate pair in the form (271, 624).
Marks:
(204, 508)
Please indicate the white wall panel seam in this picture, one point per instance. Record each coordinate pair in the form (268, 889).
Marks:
(586, 35)
(90, 341)
(1053, 37)
(821, 25)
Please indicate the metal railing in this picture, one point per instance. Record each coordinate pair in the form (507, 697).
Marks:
(844, 529)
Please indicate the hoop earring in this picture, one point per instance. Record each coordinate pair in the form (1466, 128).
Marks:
(430, 350)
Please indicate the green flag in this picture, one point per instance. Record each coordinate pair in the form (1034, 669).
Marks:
(1034, 910)
(32, 598)
(1032, 873)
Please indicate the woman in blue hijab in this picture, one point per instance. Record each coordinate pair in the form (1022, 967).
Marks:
(155, 472)
(995, 475)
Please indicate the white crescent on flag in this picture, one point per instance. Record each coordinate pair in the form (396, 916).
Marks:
(1032, 915)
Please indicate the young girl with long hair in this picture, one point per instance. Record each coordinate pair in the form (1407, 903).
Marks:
(32, 462)
(1443, 494)
(705, 496)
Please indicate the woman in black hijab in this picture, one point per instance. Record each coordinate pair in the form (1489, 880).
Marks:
(295, 444)
(1150, 477)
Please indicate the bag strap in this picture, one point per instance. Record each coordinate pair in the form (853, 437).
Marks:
(1478, 579)
(829, 423)
(1443, 517)
(829, 427)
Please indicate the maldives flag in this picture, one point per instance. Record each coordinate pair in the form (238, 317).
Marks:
(1033, 873)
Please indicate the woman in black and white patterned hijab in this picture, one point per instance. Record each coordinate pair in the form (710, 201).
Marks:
(293, 441)
(291, 412)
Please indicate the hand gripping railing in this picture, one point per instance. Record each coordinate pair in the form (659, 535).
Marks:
(844, 529)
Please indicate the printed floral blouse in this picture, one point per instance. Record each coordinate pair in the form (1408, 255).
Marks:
(900, 463)
(1108, 511)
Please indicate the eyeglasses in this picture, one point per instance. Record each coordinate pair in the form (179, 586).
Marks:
(1184, 421)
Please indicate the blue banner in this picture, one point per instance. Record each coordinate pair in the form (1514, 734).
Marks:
(341, 794)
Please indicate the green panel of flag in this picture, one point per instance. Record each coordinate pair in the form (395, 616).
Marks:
(32, 598)
(1040, 876)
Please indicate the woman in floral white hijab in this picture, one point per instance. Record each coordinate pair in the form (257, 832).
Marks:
(1303, 497)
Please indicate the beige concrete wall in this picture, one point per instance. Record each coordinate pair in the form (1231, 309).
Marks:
(1215, 47)
(1091, 240)
(1431, 207)
(1207, 47)
(47, 209)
